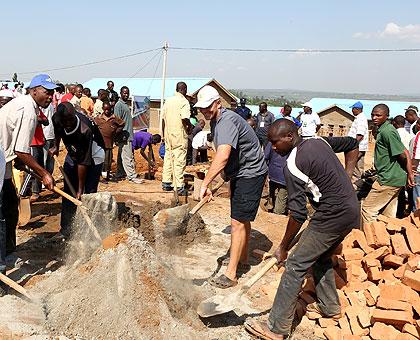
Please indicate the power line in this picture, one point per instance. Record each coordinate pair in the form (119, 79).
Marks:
(300, 50)
(141, 68)
(89, 63)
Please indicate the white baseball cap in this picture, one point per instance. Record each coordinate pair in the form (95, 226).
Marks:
(307, 104)
(206, 96)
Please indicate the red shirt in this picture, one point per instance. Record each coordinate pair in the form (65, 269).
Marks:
(67, 97)
(39, 139)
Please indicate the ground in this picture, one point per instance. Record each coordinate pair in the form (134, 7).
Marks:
(192, 260)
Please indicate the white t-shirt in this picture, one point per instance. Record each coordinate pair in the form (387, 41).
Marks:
(49, 129)
(309, 122)
(405, 137)
(360, 127)
(415, 149)
(18, 120)
(200, 140)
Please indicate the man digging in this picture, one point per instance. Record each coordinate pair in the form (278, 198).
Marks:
(241, 159)
(315, 172)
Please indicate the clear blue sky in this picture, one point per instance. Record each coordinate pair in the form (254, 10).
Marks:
(49, 34)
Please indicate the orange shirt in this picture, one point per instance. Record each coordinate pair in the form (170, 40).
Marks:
(86, 103)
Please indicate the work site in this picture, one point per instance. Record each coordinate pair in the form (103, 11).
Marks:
(173, 178)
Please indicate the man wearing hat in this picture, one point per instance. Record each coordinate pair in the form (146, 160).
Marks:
(310, 121)
(243, 110)
(5, 97)
(18, 121)
(240, 159)
(359, 130)
(411, 119)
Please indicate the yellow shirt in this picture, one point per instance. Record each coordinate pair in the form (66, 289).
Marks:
(87, 104)
(174, 110)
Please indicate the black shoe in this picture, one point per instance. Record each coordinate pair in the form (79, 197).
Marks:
(182, 192)
(167, 186)
(4, 289)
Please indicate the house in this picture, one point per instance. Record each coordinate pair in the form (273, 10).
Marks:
(152, 87)
(336, 116)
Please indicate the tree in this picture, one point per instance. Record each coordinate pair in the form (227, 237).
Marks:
(15, 77)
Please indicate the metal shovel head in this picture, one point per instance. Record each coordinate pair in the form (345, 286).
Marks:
(173, 220)
(24, 211)
(219, 304)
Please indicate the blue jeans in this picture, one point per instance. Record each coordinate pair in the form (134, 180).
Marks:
(68, 209)
(416, 192)
(313, 250)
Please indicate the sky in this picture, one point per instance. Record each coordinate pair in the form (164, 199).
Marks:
(51, 34)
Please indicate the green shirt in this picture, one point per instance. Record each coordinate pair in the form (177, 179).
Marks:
(387, 149)
(122, 110)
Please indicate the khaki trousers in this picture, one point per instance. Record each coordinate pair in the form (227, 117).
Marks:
(359, 168)
(381, 198)
(179, 154)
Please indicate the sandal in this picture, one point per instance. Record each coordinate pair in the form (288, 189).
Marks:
(261, 330)
(313, 307)
(222, 282)
(242, 267)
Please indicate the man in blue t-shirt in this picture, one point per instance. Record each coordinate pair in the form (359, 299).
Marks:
(242, 110)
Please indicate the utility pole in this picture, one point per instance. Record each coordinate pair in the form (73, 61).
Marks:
(162, 98)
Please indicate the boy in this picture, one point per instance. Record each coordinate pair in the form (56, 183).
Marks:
(143, 139)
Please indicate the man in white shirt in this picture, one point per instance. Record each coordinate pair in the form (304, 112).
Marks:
(359, 130)
(310, 121)
(201, 142)
(18, 120)
(49, 138)
(411, 119)
(415, 160)
(75, 100)
(399, 124)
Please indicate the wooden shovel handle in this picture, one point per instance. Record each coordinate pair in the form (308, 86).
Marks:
(200, 204)
(14, 285)
(258, 275)
(66, 178)
(67, 196)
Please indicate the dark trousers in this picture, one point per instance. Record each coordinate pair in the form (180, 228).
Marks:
(199, 155)
(38, 153)
(190, 153)
(68, 209)
(313, 250)
(120, 168)
(11, 214)
(48, 160)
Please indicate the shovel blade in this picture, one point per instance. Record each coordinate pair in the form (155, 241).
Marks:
(218, 304)
(24, 211)
(173, 220)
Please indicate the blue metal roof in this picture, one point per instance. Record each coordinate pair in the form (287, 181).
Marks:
(150, 87)
(275, 110)
(395, 108)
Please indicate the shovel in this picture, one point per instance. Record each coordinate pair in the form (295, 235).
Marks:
(220, 304)
(24, 204)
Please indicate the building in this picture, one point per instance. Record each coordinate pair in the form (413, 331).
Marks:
(152, 87)
(336, 116)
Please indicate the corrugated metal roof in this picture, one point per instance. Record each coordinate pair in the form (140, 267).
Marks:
(151, 87)
(275, 110)
(396, 108)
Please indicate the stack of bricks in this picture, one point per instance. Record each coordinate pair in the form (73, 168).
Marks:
(377, 273)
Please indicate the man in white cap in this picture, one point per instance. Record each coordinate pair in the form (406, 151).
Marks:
(18, 121)
(5, 97)
(240, 158)
(310, 121)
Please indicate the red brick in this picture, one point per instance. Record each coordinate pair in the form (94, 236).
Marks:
(333, 333)
(364, 318)
(415, 218)
(413, 263)
(393, 305)
(353, 254)
(380, 331)
(399, 273)
(327, 322)
(413, 238)
(387, 276)
(412, 279)
(369, 262)
(393, 220)
(393, 228)
(356, 328)
(370, 301)
(399, 246)
(344, 302)
(414, 300)
(392, 317)
(378, 253)
(392, 261)
(357, 286)
(395, 292)
(354, 300)
(344, 325)
(351, 337)
(405, 336)
(374, 274)
(313, 315)
(339, 281)
(380, 234)
(411, 329)
(360, 240)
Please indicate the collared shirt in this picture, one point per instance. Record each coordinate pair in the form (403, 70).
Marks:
(122, 110)
(309, 123)
(276, 164)
(405, 137)
(109, 127)
(246, 158)
(263, 122)
(97, 108)
(18, 120)
(244, 112)
(48, 129)
(359, 126)
(141, 140)
(86, 103)
(174, 110)
(388, 147)
(76, 103)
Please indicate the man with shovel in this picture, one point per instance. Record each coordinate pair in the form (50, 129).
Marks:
(18, 121)
(241, 159)
(313, 171)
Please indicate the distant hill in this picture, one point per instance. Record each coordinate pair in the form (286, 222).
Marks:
(303, 96)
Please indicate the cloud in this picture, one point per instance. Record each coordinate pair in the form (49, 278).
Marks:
(393, 31)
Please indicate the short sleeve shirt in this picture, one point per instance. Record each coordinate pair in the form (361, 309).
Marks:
(122, 110)
(141, 140)
(360, 127)
(387, 149)
(309, 122)
(263, 122)
(247, 157)
(176, 109)
(415, 149)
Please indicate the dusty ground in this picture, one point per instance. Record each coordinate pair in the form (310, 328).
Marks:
(167, 280)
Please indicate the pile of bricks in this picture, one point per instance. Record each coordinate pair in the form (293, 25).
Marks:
(377, 273)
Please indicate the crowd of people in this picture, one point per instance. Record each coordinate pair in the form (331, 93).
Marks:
(301, 167)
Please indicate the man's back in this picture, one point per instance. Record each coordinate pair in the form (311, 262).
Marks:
(176, 109)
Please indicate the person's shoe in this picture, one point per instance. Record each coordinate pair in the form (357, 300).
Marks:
(182, 192)
(313, 307)
(34, 198)
(136, 180)
(14, 261)
(166, 186)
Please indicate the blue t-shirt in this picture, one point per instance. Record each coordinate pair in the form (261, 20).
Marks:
(276, 164)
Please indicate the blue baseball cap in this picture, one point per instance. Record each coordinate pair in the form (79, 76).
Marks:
(43, 80)
(357, 105)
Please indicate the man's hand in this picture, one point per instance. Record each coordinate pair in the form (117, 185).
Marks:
(48, 181)
(410, 180)
(280, 254)
(53, 151)
(206, 192)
